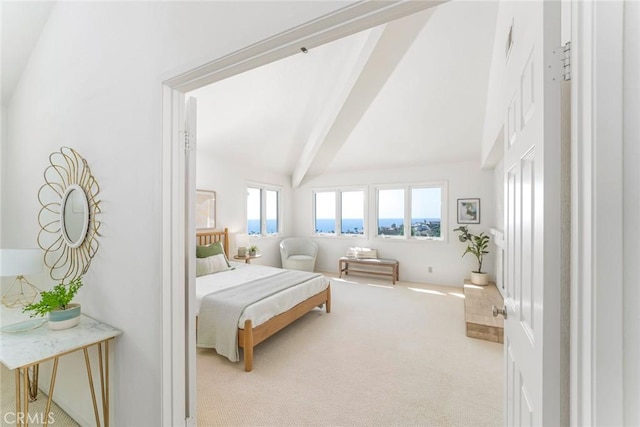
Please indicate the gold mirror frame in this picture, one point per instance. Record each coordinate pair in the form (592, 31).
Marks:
(67, 169)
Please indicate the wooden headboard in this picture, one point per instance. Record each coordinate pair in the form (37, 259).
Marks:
(207, 237)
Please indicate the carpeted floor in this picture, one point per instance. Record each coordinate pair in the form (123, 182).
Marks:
(385, 356)
(58, 417)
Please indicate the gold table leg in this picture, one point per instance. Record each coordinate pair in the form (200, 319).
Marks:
(27, 387)
(103, 362)
(105, 390)
(25, 412)
(93, 392)
(50, 397)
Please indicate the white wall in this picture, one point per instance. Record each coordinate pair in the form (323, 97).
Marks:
(230, 183)
(494, 113)
(631, 197)
(3, 143)
(464, 180)
(498, 185)
(93, 82)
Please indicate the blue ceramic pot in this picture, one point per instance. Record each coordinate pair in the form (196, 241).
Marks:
(64, 319)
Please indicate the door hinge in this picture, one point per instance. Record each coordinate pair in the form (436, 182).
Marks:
(566, 62)
(186, 137)
(561, 64)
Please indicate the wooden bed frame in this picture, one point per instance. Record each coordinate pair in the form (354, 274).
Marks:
(249, 337)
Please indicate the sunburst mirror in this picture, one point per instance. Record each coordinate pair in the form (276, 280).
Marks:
(68, 218)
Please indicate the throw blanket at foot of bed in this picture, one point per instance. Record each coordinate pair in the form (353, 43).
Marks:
(220, 311)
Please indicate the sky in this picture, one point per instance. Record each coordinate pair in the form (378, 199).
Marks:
(253, 204)
(426, 203)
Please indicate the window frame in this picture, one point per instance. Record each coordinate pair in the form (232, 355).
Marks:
(338, 211)
(407, 188)
(263, 208)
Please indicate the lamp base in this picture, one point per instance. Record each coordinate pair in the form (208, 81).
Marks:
(24, 294)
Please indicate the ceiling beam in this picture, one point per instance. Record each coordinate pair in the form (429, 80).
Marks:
(379, 58)
(349, 20)
(332, 109)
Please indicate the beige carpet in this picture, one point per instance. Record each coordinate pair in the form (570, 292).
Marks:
(59, 418)
(385, 356)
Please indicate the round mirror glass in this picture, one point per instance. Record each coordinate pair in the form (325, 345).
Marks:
(75, 215)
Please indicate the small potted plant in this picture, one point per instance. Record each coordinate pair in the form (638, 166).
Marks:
(57, 304)
(253, 250)
(477, 245)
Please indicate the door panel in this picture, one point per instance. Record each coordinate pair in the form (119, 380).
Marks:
(526, 279)
(532, 178)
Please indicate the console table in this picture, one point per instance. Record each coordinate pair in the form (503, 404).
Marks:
(24, 351)
(375, 266)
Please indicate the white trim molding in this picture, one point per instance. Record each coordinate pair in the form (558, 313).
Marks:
(596, 213)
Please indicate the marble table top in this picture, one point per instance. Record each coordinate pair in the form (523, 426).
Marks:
(18, 349)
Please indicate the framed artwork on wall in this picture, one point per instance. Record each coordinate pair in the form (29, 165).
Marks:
(205, 209)
(468, 211)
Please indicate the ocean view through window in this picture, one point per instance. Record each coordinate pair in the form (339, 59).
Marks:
(339, 212)
(411, 212)
(426, 212)
(263, 202)
(403, 212)
(391, 212)
(352, 212)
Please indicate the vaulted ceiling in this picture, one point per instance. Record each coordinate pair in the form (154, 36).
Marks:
(408, 93)
(21, 23)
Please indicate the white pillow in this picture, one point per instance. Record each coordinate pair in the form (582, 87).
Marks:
(362, 253)
(210, 265)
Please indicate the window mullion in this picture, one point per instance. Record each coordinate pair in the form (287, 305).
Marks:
(338, 212)
(263, 211)
(407, 213)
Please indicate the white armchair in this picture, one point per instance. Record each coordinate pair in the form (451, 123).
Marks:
(298, 254)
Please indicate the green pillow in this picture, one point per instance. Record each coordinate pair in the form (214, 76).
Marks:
(211, 250)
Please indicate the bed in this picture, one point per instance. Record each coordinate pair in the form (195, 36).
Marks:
(264, 318)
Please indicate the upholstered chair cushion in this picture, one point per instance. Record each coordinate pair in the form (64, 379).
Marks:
(298, 254)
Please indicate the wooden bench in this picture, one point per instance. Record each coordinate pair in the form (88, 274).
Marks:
(375, 266)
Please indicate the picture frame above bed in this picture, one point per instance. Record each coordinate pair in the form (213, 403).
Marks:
(205, 209)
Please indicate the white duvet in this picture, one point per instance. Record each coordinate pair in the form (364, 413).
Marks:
(267, 308)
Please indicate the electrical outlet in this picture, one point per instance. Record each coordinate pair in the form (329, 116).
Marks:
(430, 269)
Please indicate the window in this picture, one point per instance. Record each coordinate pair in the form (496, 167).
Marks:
(412, 212)
(325, 218)
(263, 210)
(272, 209)
(391, 212)
(254, 211)
(352, 212)
(426, 212)
(339, 212)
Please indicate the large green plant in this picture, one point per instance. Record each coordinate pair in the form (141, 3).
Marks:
(57, 298)
(477, 244)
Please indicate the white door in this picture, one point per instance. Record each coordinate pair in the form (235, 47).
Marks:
(532, 167)
(190, 263)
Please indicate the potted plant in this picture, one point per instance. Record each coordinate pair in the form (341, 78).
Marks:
(253, 250)
(477, 245)
(57, 304)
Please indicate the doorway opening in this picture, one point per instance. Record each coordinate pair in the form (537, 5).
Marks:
(175, 90)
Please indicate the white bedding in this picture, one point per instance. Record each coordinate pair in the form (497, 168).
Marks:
(263, 310)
